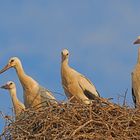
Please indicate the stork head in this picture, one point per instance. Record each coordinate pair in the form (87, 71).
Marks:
(137, 41)
(9, 85)
(65, 54)
(13, 62)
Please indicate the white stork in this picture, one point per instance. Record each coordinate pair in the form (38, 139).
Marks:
(18, 106)
(34, 95)
(75, 84)
(136, 78)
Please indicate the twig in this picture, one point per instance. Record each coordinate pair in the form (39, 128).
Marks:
(124, 101)
(80, 127)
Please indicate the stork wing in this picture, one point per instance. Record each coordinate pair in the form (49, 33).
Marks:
(87, 87)
(135, 86)
(133, 97)
(46, 95)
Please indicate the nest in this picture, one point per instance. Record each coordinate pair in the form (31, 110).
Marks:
(102, 120)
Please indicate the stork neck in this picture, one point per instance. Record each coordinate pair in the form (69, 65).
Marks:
(14, 97)
(27, 82)
(20, 70)
(23, 77)
(65, 62)
(138, 60)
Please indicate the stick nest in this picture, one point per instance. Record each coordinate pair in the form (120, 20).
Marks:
(102, 120)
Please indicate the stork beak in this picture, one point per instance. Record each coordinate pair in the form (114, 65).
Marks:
(137, 41)
(5, 86)
(5, 68)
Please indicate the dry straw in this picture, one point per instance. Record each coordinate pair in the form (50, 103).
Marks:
(102, 120)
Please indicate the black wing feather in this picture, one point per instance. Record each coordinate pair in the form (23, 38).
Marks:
(89, 95)
(134, 98)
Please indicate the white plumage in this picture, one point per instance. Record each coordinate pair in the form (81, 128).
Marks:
(34, 94)
(75, 84)
(18, 106)
(136, 78)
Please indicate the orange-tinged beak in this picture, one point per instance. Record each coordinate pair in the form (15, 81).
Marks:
(5, 68)
(137, 41)
(5, 86)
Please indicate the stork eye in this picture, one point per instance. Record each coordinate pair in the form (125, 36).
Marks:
(67, 54)
(11, 83)
(12, 60)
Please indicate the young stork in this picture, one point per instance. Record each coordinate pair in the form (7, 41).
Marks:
(136, 78)
(18, 106)
(75, 84)
(34, 95)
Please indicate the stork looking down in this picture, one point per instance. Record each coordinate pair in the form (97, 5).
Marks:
(136, 78)
(34, 95)
(75, 84)
(18, 106)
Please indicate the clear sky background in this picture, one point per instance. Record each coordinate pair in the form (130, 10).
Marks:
(98, 33)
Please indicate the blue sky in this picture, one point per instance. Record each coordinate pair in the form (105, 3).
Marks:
(99, 35)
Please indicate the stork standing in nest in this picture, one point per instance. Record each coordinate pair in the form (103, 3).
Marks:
(34, 95)
(18, 106)
(75, 85)
(136, 78)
